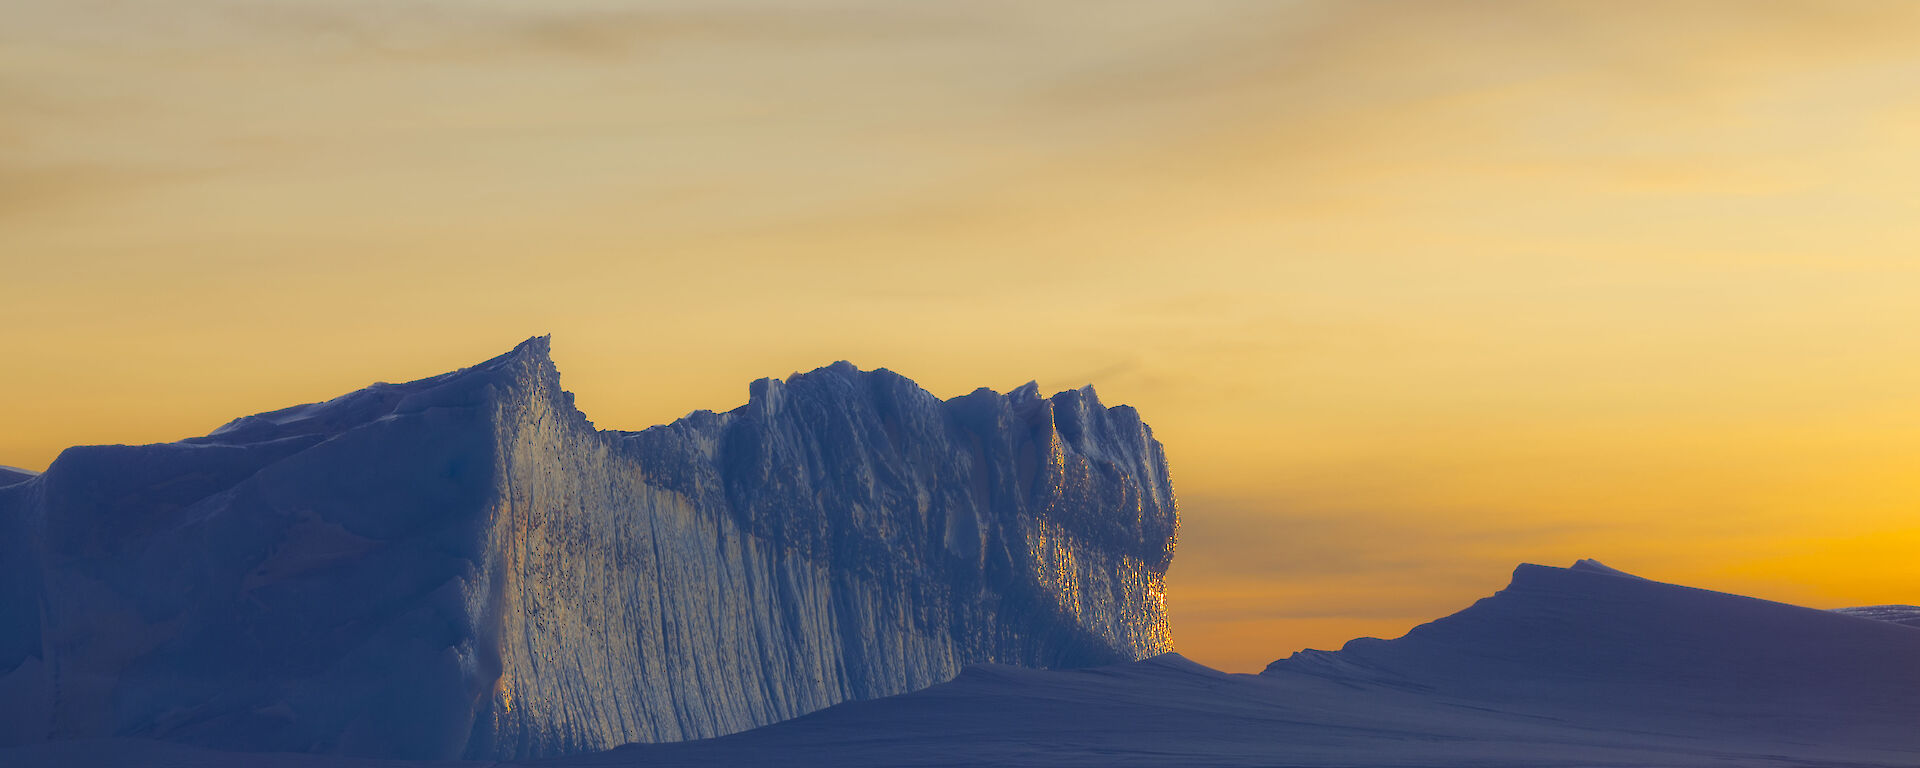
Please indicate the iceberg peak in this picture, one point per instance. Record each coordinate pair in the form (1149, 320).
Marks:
(1025, 393)
(1590, 565)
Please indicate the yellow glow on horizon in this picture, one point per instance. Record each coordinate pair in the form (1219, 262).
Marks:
(1412, 291)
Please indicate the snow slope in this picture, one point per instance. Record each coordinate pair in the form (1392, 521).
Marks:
(463, 565)
(11, 475)
(1564, 668)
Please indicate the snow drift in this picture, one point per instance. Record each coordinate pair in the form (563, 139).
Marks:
(464, 566)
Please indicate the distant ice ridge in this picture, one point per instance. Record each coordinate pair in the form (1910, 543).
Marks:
(464, 566)
(1898, 614)
(1603, 648)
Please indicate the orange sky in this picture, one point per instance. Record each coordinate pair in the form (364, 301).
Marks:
(1412, 291)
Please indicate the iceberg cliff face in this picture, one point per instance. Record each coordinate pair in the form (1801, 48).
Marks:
(464, 566)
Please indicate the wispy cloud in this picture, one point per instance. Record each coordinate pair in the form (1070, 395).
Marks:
(591, 31)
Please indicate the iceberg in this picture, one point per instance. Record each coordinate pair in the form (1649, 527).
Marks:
(464, 566)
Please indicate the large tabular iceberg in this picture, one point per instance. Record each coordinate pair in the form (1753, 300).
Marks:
(464, 566)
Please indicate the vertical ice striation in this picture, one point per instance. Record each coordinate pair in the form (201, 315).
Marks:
(463, 565)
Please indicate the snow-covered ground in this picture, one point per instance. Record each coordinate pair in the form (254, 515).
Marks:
(1566, 667)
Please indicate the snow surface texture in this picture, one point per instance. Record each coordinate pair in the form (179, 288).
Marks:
(1898, 614)
(1565, 667)
(463, 565)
